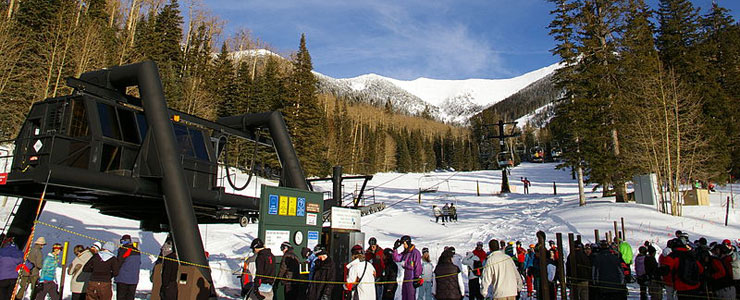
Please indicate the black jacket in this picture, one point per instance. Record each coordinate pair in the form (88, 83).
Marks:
(447, 285)
(389, 275)
(324, 272)
(607, 272)
(578, 266)
(289, 268)
(265, 262)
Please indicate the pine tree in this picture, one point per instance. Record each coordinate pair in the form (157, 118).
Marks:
(167, 53)
(223, 83)
(677, 35)
(269, 89)
(305, 117)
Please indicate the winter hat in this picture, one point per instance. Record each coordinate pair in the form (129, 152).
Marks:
(126, 239)
(372, 241)
(727, 243)
(97, 245)
(257, 243)
(319, 250)
(40, 241)
(451, 249)
(305, 252)
(285, 245)
(406, 239)
(424, 250)
(56, 246)
(479, 244)
(531, 245)
(357, 249)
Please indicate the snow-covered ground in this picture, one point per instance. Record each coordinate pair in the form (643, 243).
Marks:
(511, 217)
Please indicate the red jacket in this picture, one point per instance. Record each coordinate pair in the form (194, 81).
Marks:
(672, 262)
(520, 254)
(481, 255)
(662, 260)
(376, 259)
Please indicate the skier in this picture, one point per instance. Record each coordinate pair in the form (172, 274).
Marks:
(475, 261)
(500, 274)
(578, 268)
(453, 212)
(526, 184)
(31, 277)
(10, 260)
(360, 276)
(79, 279)
(608, 274)
(410, 260)
(265, 262)
(289, 269)
(129, 259)
(374, 254)
(47, 275)
(324, 271)
(445, 213)
(642, 276)
(103, 266)
(438, 214)
(390, 274)
(427, 274)
(521, 254)
(445, 285)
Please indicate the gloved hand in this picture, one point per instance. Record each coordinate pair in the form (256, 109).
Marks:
(22, 266)
(397, 244)
(418, 282)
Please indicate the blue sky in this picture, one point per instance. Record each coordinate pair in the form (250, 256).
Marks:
(408, 39)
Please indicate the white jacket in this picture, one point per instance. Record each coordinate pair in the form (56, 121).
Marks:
(437, 211)
(735, 265)
(469, 261)
(366, 285)
(500, 274)
(79, 280)
(427, 271)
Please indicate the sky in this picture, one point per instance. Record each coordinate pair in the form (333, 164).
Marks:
(408, 39)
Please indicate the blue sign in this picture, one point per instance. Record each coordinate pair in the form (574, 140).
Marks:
(273, 208)
(313, 235)
(301, 207)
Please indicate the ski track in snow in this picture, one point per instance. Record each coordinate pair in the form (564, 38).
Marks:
(510, 217)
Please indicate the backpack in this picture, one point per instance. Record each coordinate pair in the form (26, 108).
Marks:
(688, 269)
(477, 268)
(266, 265)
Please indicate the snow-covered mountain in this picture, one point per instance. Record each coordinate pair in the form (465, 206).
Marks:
(452, 101)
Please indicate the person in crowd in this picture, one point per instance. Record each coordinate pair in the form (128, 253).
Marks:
(552, 275)
(578, 269)
(608, 274)
(500, 275)
(47, 276)
(168, 260)
(529, 270)
(521, 254)
(319, 289)
(103, 266)
(11, 259)
(685, 280)
(374, 254)
(625, 250)
(735, 257)
(453, 212)
(410, 260)
(127, 279)
(642, 276)
(249, 269)
(311, 258)
(724, 287)
(360, 276)
(438, 214)
(265, 269)
(31, 276)
(474, 262)
(445, 285)
(389, 276)
(655, 285)
(664, 269)
(456, 258)
(509, 250)
(553, 249)
(427, 273)
(79, 280)
(290, 269)
(445, 213)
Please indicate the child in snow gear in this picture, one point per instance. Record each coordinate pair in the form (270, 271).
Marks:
(410, 260)
(47, 277)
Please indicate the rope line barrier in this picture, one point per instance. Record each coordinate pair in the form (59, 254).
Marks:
(570, 278)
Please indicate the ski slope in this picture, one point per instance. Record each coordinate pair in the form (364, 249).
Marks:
(511, 217)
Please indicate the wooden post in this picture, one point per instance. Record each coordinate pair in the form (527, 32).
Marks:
(571, 261)
(419, 196)
(554, 188)
(616, 231)
(477, 188)
(578, 238)
(624, 233)
(561, 265)
(544, 288)
(64, 269)
(609, 236)
(727, 210)
(596, 236)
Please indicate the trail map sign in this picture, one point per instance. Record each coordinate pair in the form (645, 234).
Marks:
(289, 215)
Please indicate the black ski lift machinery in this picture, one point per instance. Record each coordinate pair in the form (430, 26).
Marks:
(134, 158)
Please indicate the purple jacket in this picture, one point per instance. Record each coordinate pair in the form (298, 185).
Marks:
(411, 262)
(130, 260)
(10, 258)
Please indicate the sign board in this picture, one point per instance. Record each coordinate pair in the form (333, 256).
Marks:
(346, 218)
(3, 178)
(313, 239)
(285, 217)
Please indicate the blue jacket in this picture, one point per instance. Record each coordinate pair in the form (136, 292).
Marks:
(10, 258)
(130, 260)
(528, 260)
(49, 270)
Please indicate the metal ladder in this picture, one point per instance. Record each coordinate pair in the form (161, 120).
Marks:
(11, 216)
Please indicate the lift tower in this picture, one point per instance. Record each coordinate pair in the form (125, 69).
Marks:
(502, 136)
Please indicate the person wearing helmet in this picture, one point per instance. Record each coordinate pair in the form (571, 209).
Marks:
(608, 273)
(290, 270)
(410, 260)
(374, 255)
(11, 259)
(578, 268)
(360, 276)
(474, 262)
(265, 268)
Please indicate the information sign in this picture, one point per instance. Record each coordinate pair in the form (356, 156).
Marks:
(313, 239)
(273, 239)
(283, 206)
(346, 218)
(273, 209)
(292, 206)
(301, 207)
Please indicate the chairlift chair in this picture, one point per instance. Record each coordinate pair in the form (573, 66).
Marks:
(428, 184)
